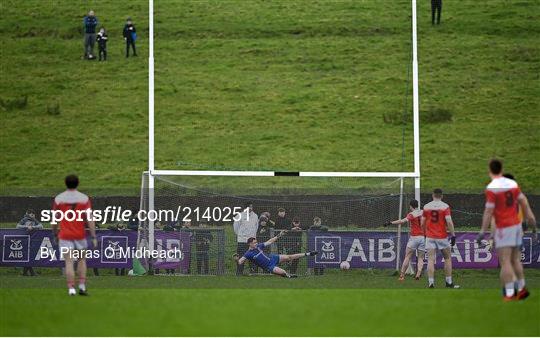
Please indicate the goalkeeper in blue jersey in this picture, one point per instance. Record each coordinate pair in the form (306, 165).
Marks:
(270, 262)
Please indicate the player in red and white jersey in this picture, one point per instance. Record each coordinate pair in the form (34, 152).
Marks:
(71, 233)
(437, 221)
(504, 200)
(416, 240)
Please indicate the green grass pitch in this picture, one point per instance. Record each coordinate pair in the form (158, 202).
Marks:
(259, 85)
(352, 303)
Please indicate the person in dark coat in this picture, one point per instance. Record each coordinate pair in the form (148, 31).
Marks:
(29, 223)
(102, 44)
(263, 230)
(203, 239)
(317, 226)
(436, 6)
(295, 242)
(282, 222)
(130, 35)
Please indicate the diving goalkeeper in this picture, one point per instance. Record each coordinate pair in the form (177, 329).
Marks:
(269, 263)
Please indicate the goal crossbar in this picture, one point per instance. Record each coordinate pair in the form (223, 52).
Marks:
(241, 173)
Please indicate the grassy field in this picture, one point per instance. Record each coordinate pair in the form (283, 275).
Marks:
(274, 85)
(354, 303)
(269, 85)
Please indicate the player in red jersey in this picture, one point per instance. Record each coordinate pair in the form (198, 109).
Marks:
(416, 241)
(504, 200)
(435, 219)
(75, 207)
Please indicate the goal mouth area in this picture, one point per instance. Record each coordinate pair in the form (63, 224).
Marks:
(269, 203)
(336, 200)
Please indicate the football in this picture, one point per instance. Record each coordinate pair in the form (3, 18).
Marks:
(345, 265)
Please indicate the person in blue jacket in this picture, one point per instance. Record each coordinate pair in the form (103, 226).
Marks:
(90, 23)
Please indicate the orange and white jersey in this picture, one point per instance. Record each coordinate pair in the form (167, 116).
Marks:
(414, 220)
(436, 213)
(76, 201)
(502, 195)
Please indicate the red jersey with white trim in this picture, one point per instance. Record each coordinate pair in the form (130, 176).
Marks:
(502, 195)
(436, 213)
(77, 201)
(414, 218)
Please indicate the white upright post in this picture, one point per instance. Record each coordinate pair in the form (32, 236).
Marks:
(151, 122)
(416, 118)
(400, 214)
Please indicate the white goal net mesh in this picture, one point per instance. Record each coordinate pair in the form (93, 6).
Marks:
(198, 214)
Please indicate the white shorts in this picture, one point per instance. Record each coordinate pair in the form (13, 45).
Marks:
(511, 236)
(437, 243)
(417, 243)
(73, 244)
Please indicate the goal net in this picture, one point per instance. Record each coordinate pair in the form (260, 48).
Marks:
(206, 217)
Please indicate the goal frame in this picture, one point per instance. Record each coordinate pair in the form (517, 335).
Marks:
(153, 172)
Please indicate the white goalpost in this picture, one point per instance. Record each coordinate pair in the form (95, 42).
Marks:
(152, 172)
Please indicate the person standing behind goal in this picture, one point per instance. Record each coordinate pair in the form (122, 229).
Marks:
(72, 234)
(245, 228)
(435, 219)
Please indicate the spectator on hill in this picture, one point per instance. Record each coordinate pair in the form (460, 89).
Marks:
(245, 228)
(102, 44)
(436, 6)
(203, 238)
(130, 35)
(90, 23)
(317, 226)
(29, 223)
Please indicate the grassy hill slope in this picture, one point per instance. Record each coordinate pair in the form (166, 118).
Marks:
(270, 85)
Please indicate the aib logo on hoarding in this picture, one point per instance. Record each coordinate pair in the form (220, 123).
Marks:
(329, 248)
(16, 248)
(114, 249)
(526, 251)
